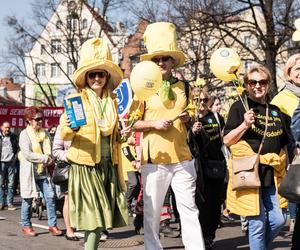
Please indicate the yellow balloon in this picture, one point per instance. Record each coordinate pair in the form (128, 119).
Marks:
(225, 64)
(145, 80)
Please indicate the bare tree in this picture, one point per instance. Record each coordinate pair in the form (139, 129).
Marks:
(73, 30)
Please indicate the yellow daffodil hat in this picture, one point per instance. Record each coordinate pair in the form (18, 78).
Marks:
(160, 40)
(95, 54)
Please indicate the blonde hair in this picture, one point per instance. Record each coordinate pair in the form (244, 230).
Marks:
(291, 62)
(260, 69)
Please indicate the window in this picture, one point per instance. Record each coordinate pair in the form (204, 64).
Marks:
(72, 22)
(84, 23)
(247, 64)
(40, 69)
(247, 41)
(58, 25)
(55, 46)
(55, 70)
(70, 68)
(43, 49)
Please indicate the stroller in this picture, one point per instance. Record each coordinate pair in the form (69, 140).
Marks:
(39, 203)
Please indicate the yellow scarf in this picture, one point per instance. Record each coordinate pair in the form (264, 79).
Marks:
(36, 138)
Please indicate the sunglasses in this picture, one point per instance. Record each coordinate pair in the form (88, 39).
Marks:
(204, 100)
(262, 82)
(162, 58)
(100, 74)
(38, 119)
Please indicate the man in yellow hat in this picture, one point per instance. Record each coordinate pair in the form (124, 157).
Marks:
(166, 157)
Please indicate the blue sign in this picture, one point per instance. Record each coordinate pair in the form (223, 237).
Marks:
(124, 97)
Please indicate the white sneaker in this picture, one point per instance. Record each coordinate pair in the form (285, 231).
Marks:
(104, 236)
(292, 225)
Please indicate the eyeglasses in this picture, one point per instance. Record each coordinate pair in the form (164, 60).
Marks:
(262, 82)
(38, 119)
(100, 74)
(204, 100)
(161, 58)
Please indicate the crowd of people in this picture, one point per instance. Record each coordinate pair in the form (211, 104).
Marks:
(166, 160)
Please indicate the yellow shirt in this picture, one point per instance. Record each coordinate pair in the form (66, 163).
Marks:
(170, 146)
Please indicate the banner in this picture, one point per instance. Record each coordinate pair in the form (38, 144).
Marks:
(15, 116)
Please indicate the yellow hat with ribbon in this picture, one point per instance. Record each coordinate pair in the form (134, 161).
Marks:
(296, 34)
(95, 55)
(160, 40)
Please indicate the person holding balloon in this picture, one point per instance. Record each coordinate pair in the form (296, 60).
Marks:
(166, 158)
(96, 200)
(248, 120)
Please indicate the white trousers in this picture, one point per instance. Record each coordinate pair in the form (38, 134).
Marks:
(156, 180)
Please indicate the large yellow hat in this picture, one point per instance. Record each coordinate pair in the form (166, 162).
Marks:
(160, 40)
(296, 34)
(95, 54)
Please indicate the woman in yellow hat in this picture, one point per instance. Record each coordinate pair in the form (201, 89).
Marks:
(96, 199)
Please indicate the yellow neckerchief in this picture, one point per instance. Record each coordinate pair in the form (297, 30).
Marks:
(37, 138)
(278, 162)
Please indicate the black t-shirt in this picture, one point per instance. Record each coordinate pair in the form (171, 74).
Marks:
(213, 128)
(276, 137)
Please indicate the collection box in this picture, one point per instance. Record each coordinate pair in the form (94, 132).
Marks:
(74, 110)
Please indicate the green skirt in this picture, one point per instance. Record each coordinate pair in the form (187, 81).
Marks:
(95, 197)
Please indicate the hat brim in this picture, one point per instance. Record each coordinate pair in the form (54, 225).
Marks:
(116, 74)
(178, 56)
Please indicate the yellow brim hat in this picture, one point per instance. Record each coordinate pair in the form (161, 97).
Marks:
(178, 56)
(116, 74)
(296, 36)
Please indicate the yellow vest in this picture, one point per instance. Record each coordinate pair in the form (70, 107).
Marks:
(246, 202)
(166, 147)
(286, 101)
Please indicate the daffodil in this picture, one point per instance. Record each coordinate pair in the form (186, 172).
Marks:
(200, 82)
(240, 90)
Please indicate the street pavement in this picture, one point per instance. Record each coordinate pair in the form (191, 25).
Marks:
(228, 237)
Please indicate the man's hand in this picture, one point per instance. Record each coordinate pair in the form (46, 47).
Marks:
(162, 125)
(184, 117)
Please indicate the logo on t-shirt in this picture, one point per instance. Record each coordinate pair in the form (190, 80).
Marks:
(210, 120)
(274, 113)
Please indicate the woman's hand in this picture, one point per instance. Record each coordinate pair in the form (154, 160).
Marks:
(196, 127)
(249, 118)
(162, 125)
(68, 123)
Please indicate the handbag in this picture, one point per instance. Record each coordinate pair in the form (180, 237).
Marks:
(60, 172)
(215, 169)
(290, 186)
(245, 169)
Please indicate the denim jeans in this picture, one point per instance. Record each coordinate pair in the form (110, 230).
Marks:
(7, 174)
(266, 226)
(49, 196)
(293, 207)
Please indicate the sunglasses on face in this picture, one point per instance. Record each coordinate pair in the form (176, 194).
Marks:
(38, 119)
(262, 82)
(204, 100)
(100, 74)
(162, 58)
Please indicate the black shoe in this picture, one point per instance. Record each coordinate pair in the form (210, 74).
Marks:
(72, 238)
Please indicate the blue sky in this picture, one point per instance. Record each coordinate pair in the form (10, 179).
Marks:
(19, 8)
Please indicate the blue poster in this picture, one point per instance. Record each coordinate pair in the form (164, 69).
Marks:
(124, 97)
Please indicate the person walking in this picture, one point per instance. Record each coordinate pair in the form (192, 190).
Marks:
(243, 133)
(166, 158)
(213, 165)
(35, 156)
(8, 152)
(96, 200)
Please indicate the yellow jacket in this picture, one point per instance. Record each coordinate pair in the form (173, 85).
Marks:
(82, 150)
(286, 101)
(246, 202)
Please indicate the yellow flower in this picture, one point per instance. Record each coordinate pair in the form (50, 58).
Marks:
(190, 109)
(200, 82)
(135, 115)
(240, 90)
